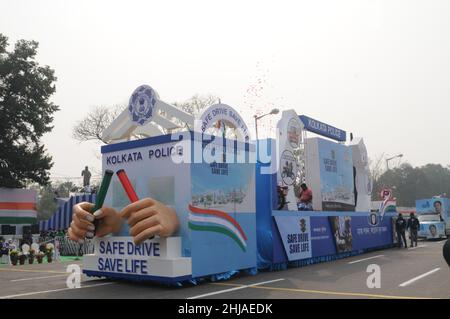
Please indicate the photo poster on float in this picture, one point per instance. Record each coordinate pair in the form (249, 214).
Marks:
(439, 206)
(348, 233)
(153, 172)
(341, 227)
(432, 229)
(329, 173)
(222, 217)
(352, 233)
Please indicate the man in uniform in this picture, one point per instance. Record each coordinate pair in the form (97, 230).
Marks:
(400, 228)
(413, 226)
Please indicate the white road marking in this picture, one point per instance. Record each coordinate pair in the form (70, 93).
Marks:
(54, 290)
(407, 283)
(233, 289)
(36, 278)
(360, 260)
(440, 242)
(419, 246)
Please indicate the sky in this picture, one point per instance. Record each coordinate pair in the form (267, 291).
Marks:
(379, 69)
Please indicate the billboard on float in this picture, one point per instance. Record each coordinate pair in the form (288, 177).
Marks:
(304, 235)
(431, 229)
(295, 233)
(438, 205)
(329, 173)
(434, 217)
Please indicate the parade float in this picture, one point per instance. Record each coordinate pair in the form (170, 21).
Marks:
(223, 190)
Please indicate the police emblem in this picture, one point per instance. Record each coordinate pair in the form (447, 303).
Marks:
(303, 225)
(141, 105)
(373, 219)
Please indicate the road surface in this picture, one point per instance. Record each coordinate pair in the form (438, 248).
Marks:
(405, 273)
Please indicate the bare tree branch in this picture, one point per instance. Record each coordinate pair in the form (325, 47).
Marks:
(376, 167)
(197, 103)
(96, 121)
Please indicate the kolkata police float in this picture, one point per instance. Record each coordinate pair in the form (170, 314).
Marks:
(224, 193)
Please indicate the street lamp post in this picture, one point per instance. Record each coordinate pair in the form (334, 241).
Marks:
(391, 158)
(273, 112)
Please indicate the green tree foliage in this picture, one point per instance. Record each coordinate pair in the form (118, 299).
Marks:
(47, 203)
(48, 194)
(26, 114)
(412, 183)
(65, 188)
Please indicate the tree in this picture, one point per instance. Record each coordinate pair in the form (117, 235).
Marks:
(47, 203)
(412, 183)
(65, 188)
(25, 114)
(197, 103)
(96, 121)
(376, 167)
(439, 179)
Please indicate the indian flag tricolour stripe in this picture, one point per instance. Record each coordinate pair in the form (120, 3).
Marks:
(17, 206)
(217, 221)
(19, 213)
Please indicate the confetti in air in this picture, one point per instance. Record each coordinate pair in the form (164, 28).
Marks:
(258, 99)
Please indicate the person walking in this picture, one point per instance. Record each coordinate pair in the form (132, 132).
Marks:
(413, 226)
(400, 228)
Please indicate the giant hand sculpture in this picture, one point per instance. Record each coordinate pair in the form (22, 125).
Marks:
(82, 225)
(146, 218)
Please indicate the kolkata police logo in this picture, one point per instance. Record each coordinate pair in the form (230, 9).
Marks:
(373, 219)
(288, 168)
(142, 104)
